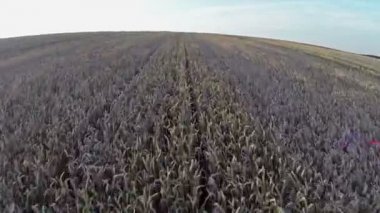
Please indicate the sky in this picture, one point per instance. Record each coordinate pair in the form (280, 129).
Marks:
(351, 25)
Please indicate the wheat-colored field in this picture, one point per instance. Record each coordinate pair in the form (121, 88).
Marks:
(174, 122)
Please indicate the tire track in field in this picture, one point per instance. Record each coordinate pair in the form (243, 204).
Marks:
(200, 146)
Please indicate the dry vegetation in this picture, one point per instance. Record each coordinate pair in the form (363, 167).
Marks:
(164, 122)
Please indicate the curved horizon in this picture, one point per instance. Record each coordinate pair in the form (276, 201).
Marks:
(344, 25)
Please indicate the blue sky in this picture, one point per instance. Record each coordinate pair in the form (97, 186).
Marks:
(352, 25)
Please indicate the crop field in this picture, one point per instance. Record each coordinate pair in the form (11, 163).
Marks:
(174, 122)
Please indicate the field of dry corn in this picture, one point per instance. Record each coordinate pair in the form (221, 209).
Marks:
(171, 122)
